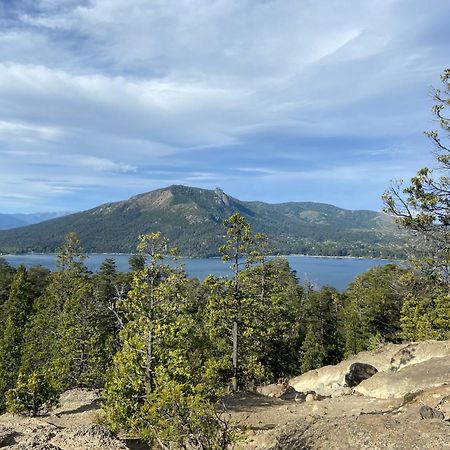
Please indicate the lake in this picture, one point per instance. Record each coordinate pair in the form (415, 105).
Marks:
(337, 272)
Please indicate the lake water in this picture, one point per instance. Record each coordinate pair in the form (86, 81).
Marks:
(337, 272)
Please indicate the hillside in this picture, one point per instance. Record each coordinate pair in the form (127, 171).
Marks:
(192, 219)
(8, 221)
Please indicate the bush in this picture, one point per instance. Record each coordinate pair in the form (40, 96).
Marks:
(30, 395)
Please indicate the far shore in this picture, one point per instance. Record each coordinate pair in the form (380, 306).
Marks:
(218, 257)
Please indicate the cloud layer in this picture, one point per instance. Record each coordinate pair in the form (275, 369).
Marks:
(272, 100)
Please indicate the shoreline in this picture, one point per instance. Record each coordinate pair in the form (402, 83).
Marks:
(217, 257)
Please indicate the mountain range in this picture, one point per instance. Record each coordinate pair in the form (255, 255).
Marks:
(8, 221)
(192, 219)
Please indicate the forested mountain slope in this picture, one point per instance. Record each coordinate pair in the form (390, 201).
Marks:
(192, 219)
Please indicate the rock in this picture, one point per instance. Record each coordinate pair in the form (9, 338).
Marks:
(272, 390)
(6, 436)
(418, 352)
(327, 379)
(341, 391)
(411, 379)
(426, 412)
(289, 394)
(358, 372)
(311, 397)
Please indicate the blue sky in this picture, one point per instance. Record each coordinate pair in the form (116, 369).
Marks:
(274, 100)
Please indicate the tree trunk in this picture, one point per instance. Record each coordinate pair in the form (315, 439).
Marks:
(234, 380)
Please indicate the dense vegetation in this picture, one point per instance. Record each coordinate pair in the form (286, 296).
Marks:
(192, 219)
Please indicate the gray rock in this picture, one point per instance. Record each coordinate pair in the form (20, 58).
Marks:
(359, 372)
(411, 379)
(426, 412)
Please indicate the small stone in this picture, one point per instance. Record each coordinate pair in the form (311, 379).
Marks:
(310, 397)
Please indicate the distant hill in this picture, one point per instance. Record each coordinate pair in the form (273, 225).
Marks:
(192, 219)
(8, 221)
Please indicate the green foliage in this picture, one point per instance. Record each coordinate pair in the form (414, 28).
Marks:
(6, 276)
(30, 395)
(372, 307)
(425, 318)
(156, 387)
(15, 312)
(321, 312)
(178, 416)
(69, 336)
(313, 352)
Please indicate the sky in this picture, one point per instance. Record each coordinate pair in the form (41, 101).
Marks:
(272, 100)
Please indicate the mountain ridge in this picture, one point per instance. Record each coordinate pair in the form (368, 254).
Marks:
(15, 220)
(192, 218)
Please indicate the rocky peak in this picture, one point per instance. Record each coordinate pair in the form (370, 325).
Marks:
(221, 197)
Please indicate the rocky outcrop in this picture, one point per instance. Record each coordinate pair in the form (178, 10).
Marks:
(418, 352)
(331, 380)
(411, 379)
(71, 426)
(397, 397)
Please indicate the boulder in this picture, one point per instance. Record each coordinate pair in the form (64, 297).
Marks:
(358, 372)
(418, 352)
(414, 378)
(329, 380)
(427, 412)
(272, 390)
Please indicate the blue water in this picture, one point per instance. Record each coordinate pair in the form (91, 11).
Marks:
(337, 272)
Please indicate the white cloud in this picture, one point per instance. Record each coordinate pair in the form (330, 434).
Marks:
(29, 132)
(105, 165)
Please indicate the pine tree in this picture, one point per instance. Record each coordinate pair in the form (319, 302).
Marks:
(16, 311)
(313, 352)
(41, 334)
(237, 247)
(155, 387)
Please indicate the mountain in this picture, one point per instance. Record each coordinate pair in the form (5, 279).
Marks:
(8, 221)
(192, 219)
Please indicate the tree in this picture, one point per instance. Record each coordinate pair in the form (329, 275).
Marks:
(67, 339)
(423, 207)
(313, 352)
(6, 276)
(237, 246)
(30, 395)
(70, 255)
(155, 387)
(372, 306)
(16, 311)
(425, 317)
(320, 313)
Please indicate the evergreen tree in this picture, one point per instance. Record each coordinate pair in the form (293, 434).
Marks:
(237, 247)
(16, 311)
(41, 333)
(423, 207)
(425, 318)
(373, 304)
(321, 311)
(313, 352)
(30, 395)
(156, 387)
(6, 277)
